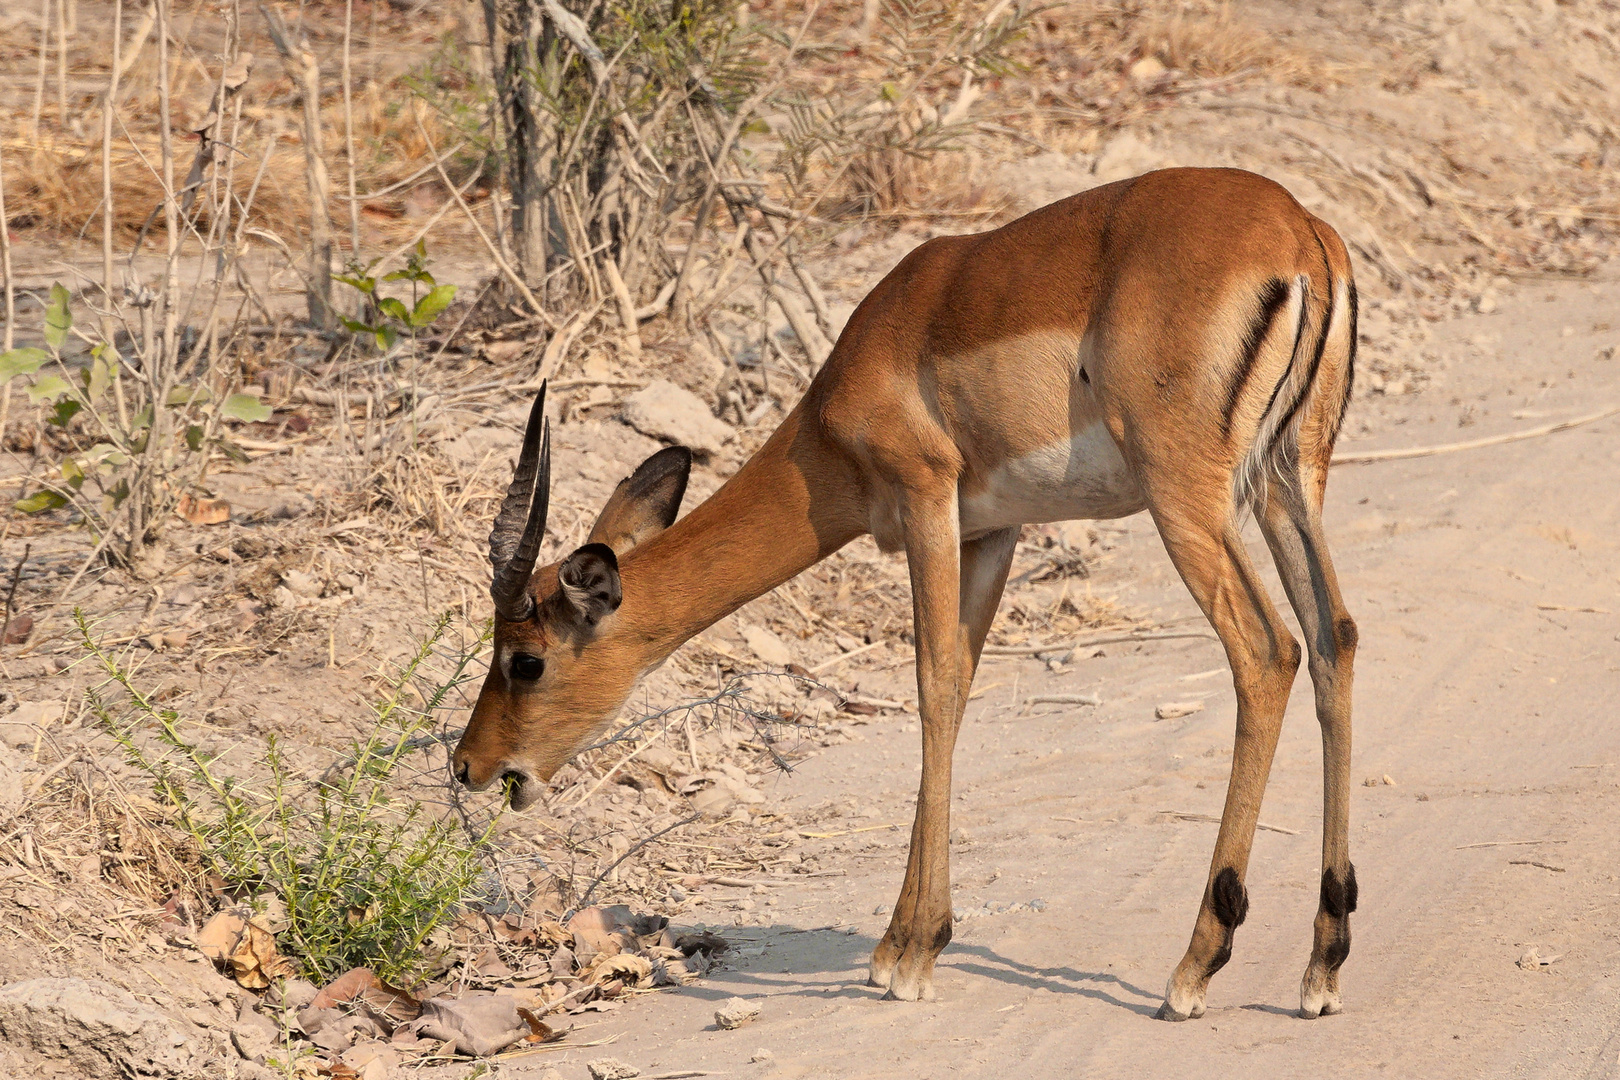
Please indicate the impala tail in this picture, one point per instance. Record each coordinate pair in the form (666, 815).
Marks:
(1304, 331)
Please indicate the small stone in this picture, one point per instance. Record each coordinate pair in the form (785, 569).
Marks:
(767, 646)
(18, 629)
(1037, 905)
(1389, 780)
(611, 1069)
(881, 909)
(1174, 710)
(254, 1035)
(735, 1013)
(665, 411)
(301, 583)
(1147, 70)
(295, 994)
(762, 1056)
(1486, 303)
(960, 835)
(1531, 960)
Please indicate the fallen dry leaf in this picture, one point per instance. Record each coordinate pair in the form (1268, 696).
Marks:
(623, 965)
(387, 1003)
(539, 1030)
(18, 629)
(247, 951)
(203, 511)
(476, 1025)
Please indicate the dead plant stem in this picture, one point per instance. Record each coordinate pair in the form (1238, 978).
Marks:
(348, 129)
(512, 276)
(108, 214)
(44, 59)
(305, 73)
(5, 270)
(61, 68)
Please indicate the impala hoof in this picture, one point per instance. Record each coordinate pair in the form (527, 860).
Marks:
(1319, 1003)
(1180, 1004)
(905, 990)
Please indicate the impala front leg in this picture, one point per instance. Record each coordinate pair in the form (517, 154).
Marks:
(953, 615)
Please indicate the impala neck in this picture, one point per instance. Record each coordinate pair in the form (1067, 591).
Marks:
(790, 506)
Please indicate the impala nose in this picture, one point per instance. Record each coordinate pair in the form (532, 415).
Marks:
(462, 772)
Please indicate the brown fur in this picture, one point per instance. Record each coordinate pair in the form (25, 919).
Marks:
(1129, 309)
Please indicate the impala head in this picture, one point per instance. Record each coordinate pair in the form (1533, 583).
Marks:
(559, 669)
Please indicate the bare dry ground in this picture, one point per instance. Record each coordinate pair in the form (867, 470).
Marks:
(1466, 151)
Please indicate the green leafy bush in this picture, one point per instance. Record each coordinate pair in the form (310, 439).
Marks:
(365, 874)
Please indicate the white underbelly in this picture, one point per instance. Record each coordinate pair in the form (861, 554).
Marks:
(1085, 477)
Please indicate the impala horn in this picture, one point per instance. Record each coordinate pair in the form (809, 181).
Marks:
(514, 542)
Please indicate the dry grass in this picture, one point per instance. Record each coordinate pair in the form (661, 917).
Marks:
(54, 180)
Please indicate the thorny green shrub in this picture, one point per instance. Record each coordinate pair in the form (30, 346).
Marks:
(365, 873)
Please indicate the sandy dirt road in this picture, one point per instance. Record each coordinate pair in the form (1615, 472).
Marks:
(1486, 691)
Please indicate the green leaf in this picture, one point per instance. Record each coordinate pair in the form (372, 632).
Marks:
(40, 500)
(363, 282)
(186, 394)
(65, 410)
(58, 317)
(386, 336)
(101, 372)
(49, 388)
(194, 437)
(247, 408)
(73, 473)
(430, 306)
(394, 309)
(105, 457)
(21, 362)
(119, 493)
(756, 127)
(354, 326)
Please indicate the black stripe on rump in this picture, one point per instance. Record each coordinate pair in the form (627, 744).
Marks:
(1316, 362)
(1349, 369)
(1272, 297)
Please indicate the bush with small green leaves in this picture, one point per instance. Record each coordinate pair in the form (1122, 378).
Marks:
(365, 872)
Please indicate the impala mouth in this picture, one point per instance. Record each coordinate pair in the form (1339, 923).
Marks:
(522, 790)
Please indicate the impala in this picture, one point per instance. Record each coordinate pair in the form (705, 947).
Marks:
(1182, 342)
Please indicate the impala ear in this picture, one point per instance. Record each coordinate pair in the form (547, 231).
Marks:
(645, 503)
(590, 583)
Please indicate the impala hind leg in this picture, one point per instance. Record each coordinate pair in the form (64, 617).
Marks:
(1291, 518)
(955, 592)
(1208, 552)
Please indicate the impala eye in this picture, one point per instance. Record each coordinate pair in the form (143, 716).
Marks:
(527, 666)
